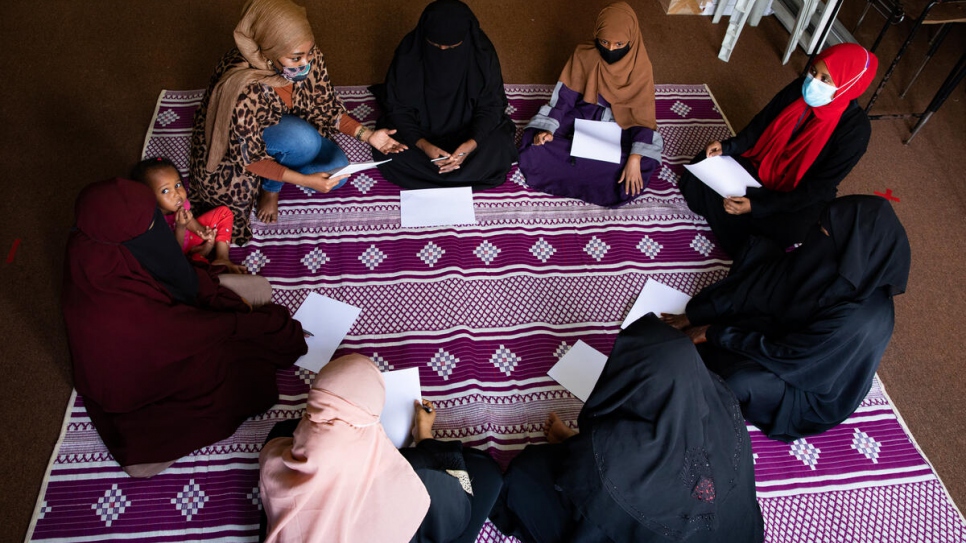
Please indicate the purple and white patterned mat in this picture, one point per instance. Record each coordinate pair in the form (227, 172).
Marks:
(484, 311)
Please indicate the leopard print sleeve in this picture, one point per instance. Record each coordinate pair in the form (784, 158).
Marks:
(316, 100)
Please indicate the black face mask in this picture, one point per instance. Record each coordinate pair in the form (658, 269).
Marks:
(609, 56)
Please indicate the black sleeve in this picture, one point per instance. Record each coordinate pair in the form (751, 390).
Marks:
(748, 136)
(490, 108)
(402, 116)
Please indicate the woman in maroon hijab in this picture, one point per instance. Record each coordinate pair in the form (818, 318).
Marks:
(166, 359)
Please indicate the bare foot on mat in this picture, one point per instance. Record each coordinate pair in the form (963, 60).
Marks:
(556, 430)
(267, 206)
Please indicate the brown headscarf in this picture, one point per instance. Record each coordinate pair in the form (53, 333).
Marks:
(627, 84)
(268, 30)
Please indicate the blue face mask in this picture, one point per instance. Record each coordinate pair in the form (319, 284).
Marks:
(296, 74)
(816, 93)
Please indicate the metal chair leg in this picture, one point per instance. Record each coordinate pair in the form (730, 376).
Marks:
(947, 88)
(902, 50)
(936, 42)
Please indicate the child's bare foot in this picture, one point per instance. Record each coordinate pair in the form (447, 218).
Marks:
(267, 206)
(556, 431)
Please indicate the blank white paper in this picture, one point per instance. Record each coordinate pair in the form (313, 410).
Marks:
(598, 140)
(329, 321)
(579, 370)
(657, 298)
(436, 207)
(357, 167)
(398, 414)
(724, 175)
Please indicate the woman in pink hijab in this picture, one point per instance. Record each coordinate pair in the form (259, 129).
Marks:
(339, 478)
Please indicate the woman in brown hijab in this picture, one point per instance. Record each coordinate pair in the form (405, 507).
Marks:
(268, 118)
(606, 79)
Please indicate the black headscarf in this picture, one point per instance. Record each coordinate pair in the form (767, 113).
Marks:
(443, 86)
(158, 252)
(770, 290)
(662, 448)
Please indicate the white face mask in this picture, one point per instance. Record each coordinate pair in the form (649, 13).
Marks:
(817, 93)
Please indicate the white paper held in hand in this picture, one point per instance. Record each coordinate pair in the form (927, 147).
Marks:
(398, 414)
(329, 321)
(436, 207)
(724, 175)
(656, 298)
(357, 167)
(597, 140)
(579, 369)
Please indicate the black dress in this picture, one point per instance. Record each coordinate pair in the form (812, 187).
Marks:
(781, 216)
(662, 455)
(447, 97)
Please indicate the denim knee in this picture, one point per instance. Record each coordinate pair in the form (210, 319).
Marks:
(293, 142)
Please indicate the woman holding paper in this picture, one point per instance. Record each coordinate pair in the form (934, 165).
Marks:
(268, 117)
(608, 79)
(662, 455)
(166, 359)
(337, 478)
(444, 95)
(800, 147)
(798, 336)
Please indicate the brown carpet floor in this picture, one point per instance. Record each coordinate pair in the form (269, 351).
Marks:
(99, 65)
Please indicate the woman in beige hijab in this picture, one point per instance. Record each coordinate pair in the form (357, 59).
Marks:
(268, 118)
(339, 479)
(606, 79)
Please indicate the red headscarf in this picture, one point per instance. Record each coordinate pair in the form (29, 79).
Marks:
(782, 163)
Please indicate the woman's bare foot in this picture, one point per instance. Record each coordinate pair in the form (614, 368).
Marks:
(556, 430)
(267, 206)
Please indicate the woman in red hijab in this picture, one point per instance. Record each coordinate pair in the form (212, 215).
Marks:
(166, 359)
(800, 147)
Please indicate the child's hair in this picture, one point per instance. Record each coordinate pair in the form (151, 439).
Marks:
(144, 168)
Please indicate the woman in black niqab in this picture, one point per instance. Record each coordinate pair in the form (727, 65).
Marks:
(444, 95)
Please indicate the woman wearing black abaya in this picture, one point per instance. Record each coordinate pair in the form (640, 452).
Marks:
(662, 455)
(444, 96)
(798, 336)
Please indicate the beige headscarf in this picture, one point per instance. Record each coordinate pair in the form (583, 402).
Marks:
(268, 30)
(627, 84)
(339, 479)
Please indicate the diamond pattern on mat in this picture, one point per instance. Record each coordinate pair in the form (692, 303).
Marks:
(167, 117)
(542, 250)
(865, 444)
(305, 375)
(255, 497)
(315, 259)
(44, 509)
(363, 183)
(681, 108)
(190, 500)
(804, 451)
(649, 247)
(596, 248)
(702, 245)
(561, 350)
(255, 261)
(431, 253)
(361, 112)
(505, 360)
(486, 251)
(307, 191)
(518, 178)
(111, 505)
(372, 257)
(668, 175)
(175, 149)
(510, 110)
(443, 363)
(383, 364)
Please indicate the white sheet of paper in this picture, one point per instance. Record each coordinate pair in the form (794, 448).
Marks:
(329, 320)
(724, 175)
(598, 140)
(357, 167)
(579, 369)
(656, 298)
(437, 207)
(398, 414)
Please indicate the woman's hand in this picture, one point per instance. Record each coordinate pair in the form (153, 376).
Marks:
(698, 334)
(458, 156)
(382, 140)
(232, 267)
(737, 205)
(713, 149)
(632, 176)
(677, 321)
(542, 137)
(425, 418)
(430, 150)
(321, 181)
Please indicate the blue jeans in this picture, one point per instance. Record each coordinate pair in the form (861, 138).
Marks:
(297, 145)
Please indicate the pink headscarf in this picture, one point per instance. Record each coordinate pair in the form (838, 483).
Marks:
(340, 479)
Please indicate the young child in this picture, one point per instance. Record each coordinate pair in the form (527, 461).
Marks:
(205, 238)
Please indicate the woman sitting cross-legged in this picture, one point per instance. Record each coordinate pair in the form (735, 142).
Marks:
(798, 336)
